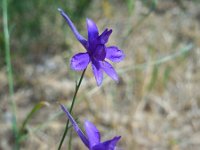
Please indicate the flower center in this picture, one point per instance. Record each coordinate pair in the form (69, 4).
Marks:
(99, 53)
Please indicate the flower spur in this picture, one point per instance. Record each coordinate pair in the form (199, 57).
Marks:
(96, 51)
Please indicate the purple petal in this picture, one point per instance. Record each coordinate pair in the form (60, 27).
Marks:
(80, 61)
(76, 127)
(97, 72)
(109, 70)
(103, 38)
(92, 133)
(107, 145)
(114, 54)
(78, 36)
(99, 53)
(92, 31)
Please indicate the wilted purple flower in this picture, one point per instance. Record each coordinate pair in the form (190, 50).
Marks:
(92, 140)
(97, 52)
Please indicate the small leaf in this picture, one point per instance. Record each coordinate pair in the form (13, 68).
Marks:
(36, 108)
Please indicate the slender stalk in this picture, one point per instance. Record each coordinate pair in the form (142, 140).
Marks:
(71, 108)
(9, 72)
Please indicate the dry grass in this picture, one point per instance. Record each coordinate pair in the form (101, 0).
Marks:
(154, 106)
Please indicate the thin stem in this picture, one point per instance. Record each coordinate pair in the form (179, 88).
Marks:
(9, 72)
(71, 108)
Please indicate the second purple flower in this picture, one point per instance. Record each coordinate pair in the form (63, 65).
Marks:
(96, 51)
(92, 140)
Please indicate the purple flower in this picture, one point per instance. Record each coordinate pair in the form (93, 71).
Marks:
(92, 140)
(96, 51)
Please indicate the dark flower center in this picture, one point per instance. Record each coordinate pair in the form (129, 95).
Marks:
(99, 52)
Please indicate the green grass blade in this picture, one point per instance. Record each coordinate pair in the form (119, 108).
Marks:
(9, 72)
(36, 108)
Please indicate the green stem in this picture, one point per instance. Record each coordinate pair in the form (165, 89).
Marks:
(71, 108)
(9, 72)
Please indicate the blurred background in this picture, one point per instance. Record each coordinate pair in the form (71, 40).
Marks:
(156, 104)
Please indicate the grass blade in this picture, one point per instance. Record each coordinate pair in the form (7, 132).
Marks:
(9, 72)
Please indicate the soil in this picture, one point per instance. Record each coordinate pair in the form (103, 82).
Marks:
(155, 105)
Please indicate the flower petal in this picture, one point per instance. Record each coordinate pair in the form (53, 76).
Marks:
(76, 127)
(92, 31)
(114, 54)
(100, 53)
(80, 61)
(103, 38)
(107, 145)
(92, 133)
(78, 36)
(109, 70)
(97, 72)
